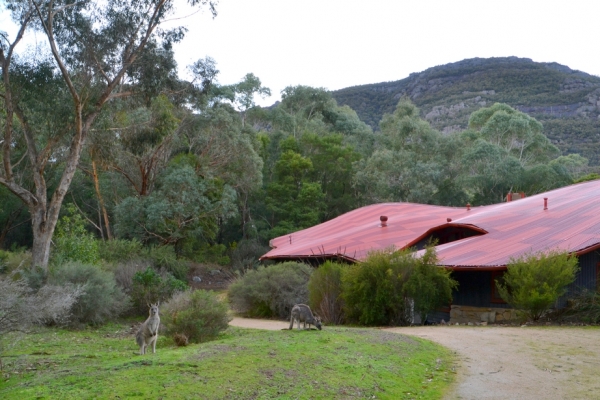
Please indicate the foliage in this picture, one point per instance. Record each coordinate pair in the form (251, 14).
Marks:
(238, 361)
(101, 299)
(373, 289)
(150, 287)
(120, 250)
(197, 314)
(21, 306)
(325, 292)
(73, 242)
(533, 282)
(429, 285)
(381, 290)
(245, 254)
(585, 307)
(271, 290)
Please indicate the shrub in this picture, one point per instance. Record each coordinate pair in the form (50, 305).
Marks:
(534, 282)
(13, 260)
(120, 250)
(21, 306)
(373, 289)
(149, 287)
(197, 315)
(101, 298)
(325, 292)
(245, 254)
(429, 286)
(164, 257)
(585, 307)
(73, 242)
(271, 291)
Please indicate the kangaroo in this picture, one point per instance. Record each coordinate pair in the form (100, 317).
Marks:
(302, 313)
(148, 333)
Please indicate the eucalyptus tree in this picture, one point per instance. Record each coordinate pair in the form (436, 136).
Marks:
(94, 47)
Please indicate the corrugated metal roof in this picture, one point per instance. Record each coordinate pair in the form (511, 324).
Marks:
(571, 223)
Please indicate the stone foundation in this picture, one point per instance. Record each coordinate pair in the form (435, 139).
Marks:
(477, 315)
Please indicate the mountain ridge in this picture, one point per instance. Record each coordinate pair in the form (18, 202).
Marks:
(565, 101)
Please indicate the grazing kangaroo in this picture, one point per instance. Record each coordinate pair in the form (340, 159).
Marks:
(302, 313)
(148, 333)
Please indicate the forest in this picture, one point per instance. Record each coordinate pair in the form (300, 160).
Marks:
(102, 137)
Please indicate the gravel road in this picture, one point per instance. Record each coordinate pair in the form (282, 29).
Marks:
(498, 362)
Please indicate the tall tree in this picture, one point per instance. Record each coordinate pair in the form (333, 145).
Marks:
(94, 46)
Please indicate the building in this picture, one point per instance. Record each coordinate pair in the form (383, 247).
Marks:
(476, 243)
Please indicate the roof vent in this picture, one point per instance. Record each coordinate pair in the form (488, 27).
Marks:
(545, 203)
(383, 220)
(468, 206)
(449, 220)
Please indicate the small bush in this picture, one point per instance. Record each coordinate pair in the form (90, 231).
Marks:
(373, 289)
(21, 306)
(325, 292)
(429, 286)
(197, 315)
(271, 291)
(120, 250)
(73, 242)
(11, 261)
(149, 287)
(584, 307)
(245, 254)
(124, 273)
(101, 299)
(534, 282)
(164, 257)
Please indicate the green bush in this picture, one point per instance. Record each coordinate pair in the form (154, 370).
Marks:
(534, 282)
(120, 250)
(271, 291)
(429, 286)
(382, 289)
(373, 289)
(101, 299)
(73, 242)
(325, 292)
(150, 287)
(197, 314)
(584, 307)
(164, 257)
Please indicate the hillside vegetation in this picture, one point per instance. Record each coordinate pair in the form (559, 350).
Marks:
(565, 101)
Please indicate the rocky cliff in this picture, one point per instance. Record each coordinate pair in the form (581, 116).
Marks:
(566, 101)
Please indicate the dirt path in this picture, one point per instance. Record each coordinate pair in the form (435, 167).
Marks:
(509, 362)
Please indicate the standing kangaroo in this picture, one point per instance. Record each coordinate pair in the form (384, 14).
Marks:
(148, 333)
(302, 313)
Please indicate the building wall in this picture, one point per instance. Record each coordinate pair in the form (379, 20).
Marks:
(474, 289)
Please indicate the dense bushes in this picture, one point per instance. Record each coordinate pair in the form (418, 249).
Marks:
(100, 300)
(149, 287)
(373, 289)
(385, 289)
(325, 292)
(271, 291)
(534, 282)
(198, 315)
(21, 306)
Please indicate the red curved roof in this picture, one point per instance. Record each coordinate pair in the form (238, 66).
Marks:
(571, 223)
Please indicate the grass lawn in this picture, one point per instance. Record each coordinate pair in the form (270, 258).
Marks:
(339, 363)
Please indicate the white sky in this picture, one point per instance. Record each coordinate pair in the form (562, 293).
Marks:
(340, 43)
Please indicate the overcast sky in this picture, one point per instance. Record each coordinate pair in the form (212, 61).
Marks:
(340, 43)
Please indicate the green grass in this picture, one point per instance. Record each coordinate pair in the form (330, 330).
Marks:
(242, 364)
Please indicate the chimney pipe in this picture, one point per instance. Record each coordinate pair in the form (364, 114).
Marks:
(468, 206)
(545, 203)
(383, 220)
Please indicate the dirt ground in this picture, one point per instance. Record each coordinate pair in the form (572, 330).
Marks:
(498, 362)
